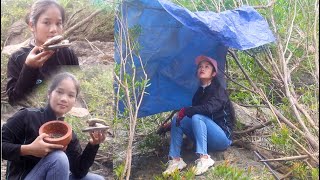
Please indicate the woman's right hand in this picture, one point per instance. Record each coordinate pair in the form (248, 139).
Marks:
(37, 60)
(39, 147)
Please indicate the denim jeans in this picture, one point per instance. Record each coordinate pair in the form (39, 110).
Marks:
(205, 133)
(55, 166)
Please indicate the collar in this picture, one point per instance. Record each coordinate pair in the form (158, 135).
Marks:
(50, 113)
(32, 42)
(206, 85)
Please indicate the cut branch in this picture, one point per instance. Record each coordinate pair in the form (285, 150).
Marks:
(81, 23)
(290, 158)
(253, 128)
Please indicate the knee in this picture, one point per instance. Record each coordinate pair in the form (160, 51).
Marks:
(196, 118)
(59, 158)
(173, 122)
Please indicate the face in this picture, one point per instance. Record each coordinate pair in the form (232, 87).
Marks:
(63, 97)
(205, 70)
(48, 25)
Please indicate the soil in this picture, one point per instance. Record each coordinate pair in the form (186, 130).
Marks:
(151, 164)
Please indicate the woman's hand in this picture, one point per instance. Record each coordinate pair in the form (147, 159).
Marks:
(37, 60)
(97, 137)
(39, 148)
(180, 116)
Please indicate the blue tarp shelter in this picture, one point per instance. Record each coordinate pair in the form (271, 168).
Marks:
(172, 37)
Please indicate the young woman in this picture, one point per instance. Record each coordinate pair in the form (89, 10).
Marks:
(28, 66)
(29, 157)
(208, 122)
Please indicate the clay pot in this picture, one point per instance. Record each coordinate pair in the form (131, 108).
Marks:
(59, 132)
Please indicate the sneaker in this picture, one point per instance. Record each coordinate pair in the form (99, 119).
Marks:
(174, 165)
(203, 165)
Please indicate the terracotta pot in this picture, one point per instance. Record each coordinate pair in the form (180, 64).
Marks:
(59, 132)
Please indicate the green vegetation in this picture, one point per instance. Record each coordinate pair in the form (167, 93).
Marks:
(177, 175)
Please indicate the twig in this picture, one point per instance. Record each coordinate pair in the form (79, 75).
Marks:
(271, 170)
(266, 6)
(272, 62)
(253, 128)
(259, 63)
(79, 24)
(233, 54)
(256, 106)
(316, 40)
(72, 16)
(287, 175)
(236, 82)
(290, 30)
(304, 149)
(289, 158)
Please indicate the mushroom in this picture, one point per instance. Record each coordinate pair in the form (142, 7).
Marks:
(55, 42)
(96, 124)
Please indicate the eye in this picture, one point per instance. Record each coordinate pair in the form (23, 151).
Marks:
(46, 22)
(72, 95)
(59, 24)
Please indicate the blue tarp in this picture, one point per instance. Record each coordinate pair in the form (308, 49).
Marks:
(172, 37)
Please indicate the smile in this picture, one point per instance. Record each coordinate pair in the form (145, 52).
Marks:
(62, 106)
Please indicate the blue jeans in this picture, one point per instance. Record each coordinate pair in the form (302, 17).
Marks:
(205, 133)
(55, 166)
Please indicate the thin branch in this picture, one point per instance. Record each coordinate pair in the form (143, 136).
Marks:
(237, 83)
(270, 4)
(79, 24)
(304, 149)
(72, 16)
(259, 63)
(316, 40)
(290, 158)
(291, 27)
(253, 128)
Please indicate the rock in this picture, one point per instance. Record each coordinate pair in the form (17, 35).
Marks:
(8, 50)
(18, 32)
(96, 52)
(79, 112)
(245, 116)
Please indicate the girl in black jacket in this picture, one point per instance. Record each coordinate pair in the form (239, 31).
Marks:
(208, 122)
(30, 157)
(28, 67)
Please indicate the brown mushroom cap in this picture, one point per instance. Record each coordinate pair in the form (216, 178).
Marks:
(53, 40)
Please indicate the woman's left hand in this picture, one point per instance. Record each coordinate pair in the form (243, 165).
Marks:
(97, 137)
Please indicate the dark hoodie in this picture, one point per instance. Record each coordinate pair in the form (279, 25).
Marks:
(213, 102)
(22, 128)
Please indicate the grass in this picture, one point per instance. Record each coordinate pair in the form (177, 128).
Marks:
(188, 174)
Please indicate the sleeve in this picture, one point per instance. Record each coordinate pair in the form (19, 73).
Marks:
(20, 80)
(80, 162)
(215, 102)
(12, 136)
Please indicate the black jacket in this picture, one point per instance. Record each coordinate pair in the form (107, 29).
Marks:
(22, 128)
(213, 101)
(22, 79)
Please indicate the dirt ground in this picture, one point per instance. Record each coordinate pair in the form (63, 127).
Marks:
(151, 164)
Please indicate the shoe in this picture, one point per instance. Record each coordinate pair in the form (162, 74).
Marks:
(203, 165)
(174, 165)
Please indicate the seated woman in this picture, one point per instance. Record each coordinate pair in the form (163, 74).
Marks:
(28, 67)
(30, 157)
(208, 122)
